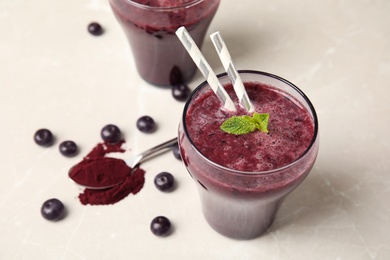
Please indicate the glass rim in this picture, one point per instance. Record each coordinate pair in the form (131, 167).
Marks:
(163, 9)
(234, 171)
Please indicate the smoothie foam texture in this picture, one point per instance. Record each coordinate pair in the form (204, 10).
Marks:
(290, 130)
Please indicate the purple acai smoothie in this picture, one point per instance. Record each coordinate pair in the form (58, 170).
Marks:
(243, 179)
(150, 29)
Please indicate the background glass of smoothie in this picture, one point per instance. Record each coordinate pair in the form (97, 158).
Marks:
(150, 27)
(243, 179)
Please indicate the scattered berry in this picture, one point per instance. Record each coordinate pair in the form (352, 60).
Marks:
(176, 76)
(146, 124)
(181, 92)
(68, 148)
(164, 181)
(53, 209)
(176, 152)
(43, 137)
(111, 134)
(95, 29)
(160, 226)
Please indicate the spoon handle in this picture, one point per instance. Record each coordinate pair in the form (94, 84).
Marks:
(161, 147)
(168, 145)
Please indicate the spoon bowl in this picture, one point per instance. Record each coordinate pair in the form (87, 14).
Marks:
(133, 163)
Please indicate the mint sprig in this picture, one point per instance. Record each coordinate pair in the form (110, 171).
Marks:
(239, 125)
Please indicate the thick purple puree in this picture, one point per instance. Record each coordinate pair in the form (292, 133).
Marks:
(291, 131)
(290, 128)
(160, 57)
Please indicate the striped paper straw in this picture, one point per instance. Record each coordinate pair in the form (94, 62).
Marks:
(231, 70)
(205, 68)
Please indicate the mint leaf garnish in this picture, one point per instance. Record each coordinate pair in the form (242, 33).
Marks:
(239, 125)
(261, 121)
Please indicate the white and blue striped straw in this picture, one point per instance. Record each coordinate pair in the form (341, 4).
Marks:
(231, 70)
(205, 68)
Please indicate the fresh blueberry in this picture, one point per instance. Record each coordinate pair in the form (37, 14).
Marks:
(164, 181)
(53, 209)
(111, 134)
(68, 148)
(95, 29)
(146, 124)
(43, 137)
(160, 226)
(176, 76)
(181, 92)
(176, 152)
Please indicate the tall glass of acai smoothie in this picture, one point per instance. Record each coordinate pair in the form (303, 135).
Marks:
(150, 27)
(243, 179)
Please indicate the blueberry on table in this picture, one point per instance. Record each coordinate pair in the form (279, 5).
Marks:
(176, 76)
(146, 124)
(95, 29)
(176, 152)
(68, 148)
(181, 92)
(111, 134)
(53, 209)
(160, 226)
(43, 137)
(164, 181)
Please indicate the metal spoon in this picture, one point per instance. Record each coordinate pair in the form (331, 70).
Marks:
(136, 160)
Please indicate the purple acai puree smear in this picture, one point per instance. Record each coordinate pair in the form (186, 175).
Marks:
(290, 126)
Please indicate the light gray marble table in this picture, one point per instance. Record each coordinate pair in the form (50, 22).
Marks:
(54, 74)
